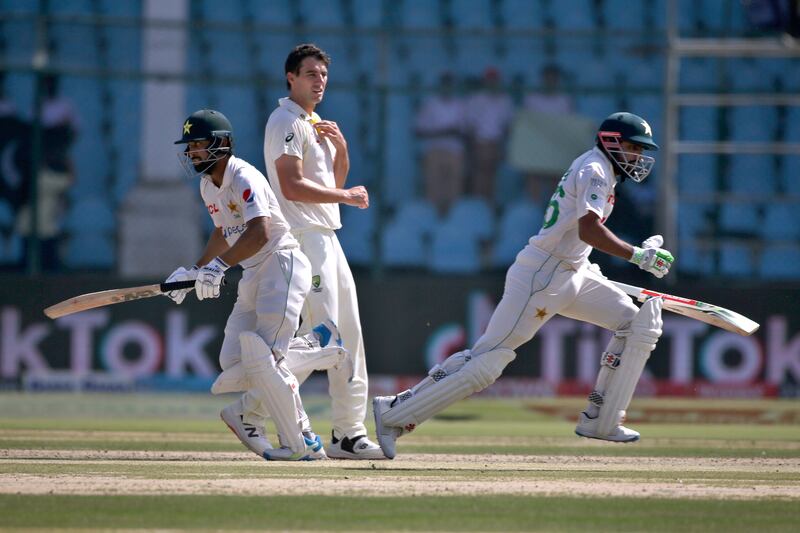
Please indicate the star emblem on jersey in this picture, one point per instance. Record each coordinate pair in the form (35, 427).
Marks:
(187, 126)
(234, 209)
(541, 313)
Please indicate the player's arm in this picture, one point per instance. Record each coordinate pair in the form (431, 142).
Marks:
(341, 162)
(254, 238)
(216, 245)
(595, 234)
(297, 188)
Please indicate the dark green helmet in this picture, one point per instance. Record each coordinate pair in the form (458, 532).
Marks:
(206, 124)
(623, 126)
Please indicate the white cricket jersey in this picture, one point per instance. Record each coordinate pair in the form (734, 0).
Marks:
(587, 186)
(244, 195)
(290, 131)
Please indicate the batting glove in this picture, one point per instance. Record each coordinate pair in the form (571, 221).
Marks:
(209, 278)
(652, 258)
(181, 274)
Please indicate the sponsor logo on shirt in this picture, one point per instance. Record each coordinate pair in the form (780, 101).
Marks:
(233, 230)
(289, 137)
(249, 196)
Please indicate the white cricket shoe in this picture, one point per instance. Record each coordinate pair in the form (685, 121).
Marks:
(359, 447)
(587, 427)
(251, 436)
(313, 452)
(387, 435)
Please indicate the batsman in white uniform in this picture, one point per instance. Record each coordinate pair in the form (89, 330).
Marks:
(255, 358)
(552, 275)
(307, 164)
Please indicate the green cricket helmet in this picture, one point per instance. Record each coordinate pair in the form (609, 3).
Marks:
(205, 125)
(623, 126)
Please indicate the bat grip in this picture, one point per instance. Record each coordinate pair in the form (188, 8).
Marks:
(176, 285)
(179, 285)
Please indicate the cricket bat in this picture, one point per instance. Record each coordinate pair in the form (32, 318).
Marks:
(113, 296)
(708, 313)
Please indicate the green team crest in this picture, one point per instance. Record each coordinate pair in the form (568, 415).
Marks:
(316, 281)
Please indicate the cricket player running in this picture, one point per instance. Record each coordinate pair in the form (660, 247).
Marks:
(307, 163)
(552, 275)
(255, 357)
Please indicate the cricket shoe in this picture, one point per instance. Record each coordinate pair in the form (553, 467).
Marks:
(328, 333)
(252, 436)
(587, 427)
(387, 435)
(313, 452)
(359, 447)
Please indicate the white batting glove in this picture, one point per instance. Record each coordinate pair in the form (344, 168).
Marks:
(181, 274)
(651, 258)
(209, 278)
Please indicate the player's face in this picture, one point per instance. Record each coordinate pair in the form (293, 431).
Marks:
(197, 153)
(631, 151)
(308, 84)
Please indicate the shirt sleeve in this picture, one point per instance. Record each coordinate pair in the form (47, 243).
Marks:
(251, 194)
(286, 138)
(593, 190)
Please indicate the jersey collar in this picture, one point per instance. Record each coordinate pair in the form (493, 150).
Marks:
(227, 176)
(292, 106)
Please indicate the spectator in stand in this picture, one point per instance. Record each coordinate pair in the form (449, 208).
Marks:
(550, 100)
(60, 124)
(440, 125)
(14, 173)
(489, 113)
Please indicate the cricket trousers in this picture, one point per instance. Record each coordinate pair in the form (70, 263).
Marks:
(333, 296)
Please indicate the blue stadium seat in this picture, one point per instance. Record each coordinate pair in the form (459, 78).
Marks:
(517, 224)
(596, 107)
(780, 262)
(698, 74)
(588, 69)
(752, 123)
(473, 216)
(693, 220)
(454, 252)
(420, 14)
(76, 45)
(419, 216)
(792, 132)
(357, 244)
(522, 14)
(322, 14)
(739, 218)
(400, 147)
(89, 251)
(781, 222)
(7, 218)
(402, 246)
(131, 8)
(697, 173)
(368, 13)
(752, 174)
(11, 248)
(691, 259)
(475, 16)
(71, 7)
(624, 15)
(736, 260)
(699, 123)
(749, 75)
(581, 16)
(274, 13)
(790, 174)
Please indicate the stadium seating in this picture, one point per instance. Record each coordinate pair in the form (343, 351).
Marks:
(402, 246)
(473, 216)
(418, 216)
(454, 252)
(780, 262)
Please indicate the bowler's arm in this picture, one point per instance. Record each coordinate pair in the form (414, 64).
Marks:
(296, 188)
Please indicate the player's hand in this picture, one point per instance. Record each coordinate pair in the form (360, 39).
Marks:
(209, 278)
(327, 129)
(652, 258)
(357, 196)
(181, 274)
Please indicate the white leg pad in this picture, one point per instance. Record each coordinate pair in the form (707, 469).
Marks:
(300, 359)
(459, 376)
(645, 332)
(276, 389)
(305, 361)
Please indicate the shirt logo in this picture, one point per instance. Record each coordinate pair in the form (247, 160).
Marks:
(234, 209)
(289, 137)
(249, 196)
(316, 281)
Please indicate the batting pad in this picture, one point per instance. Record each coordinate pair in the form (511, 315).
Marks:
(645, 332)
(276, 389)
(442, 389)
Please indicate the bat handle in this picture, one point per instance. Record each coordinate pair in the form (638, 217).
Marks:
(176, 285)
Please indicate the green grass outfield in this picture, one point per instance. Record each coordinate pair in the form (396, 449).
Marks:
(100, 462)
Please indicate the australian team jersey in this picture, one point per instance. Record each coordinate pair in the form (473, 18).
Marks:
(244, 195)
(587, 186)
(290, 131)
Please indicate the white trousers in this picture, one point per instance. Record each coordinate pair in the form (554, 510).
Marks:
(333, 295)
(269, 301)
(539, 286)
